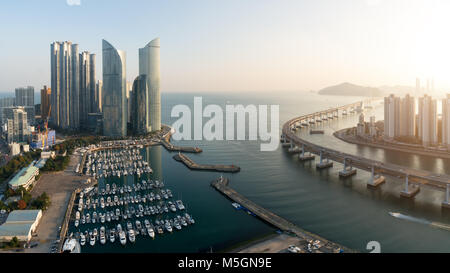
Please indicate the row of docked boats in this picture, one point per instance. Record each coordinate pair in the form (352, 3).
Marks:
(118, 163)
(127, 213)
(129, 232)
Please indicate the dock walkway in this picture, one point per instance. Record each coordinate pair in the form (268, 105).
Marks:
(194, 166)
(221, 184)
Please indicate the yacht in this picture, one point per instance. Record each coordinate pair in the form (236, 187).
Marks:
(131, 236)
(102, 235)
(129, 226)
(82, 239)
(77, 222)
(112, 235)
(180, 205)
(71, 246)
(77, 215)
(122, 237)
(168, 226)
(92, 240)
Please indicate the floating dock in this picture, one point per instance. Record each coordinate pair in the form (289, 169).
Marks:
(194, 166)
(221, 184)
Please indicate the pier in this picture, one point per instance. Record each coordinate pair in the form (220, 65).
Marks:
(222, 185)
(165, 141)
(194, 166)
(413, 178)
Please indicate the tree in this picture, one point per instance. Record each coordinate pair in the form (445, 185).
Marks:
(22, 204)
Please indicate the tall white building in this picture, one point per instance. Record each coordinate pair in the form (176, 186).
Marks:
(391, 117)
(65, 85)
(149, 65)
(407, 116)
(428, 121)
(446, 122)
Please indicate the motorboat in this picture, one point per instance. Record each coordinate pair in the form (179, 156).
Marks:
(71, 245)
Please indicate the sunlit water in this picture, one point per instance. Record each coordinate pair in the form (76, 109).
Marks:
(342, 210)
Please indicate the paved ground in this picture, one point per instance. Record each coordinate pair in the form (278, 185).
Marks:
(59, 186)
(273, 245)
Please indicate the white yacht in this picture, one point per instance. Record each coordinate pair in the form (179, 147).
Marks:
(102, 235)
(82, 239)
(71, 246)
(112, 235)
(131, 236)
(92, 240)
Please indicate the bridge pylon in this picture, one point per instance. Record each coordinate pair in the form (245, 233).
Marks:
(410, 191)
(303, 156)
(348, 169)
(324, 162)
(375, 180)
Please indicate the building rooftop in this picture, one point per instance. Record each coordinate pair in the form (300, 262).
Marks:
(15, 229)
(22, 216)
(22, 177)
(40, 163)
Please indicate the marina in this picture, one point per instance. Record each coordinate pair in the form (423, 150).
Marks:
(126, 212)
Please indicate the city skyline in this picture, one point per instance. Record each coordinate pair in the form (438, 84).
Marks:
(297, 52)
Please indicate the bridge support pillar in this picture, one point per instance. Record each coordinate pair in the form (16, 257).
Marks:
(324, 162)
(294, 149)
(446, 203)
(410, 191)
(305, 157)
(375, 180)
(347, 171)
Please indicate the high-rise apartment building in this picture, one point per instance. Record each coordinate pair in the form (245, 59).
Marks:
(149, 65)
(391, 117)
(407, 116)
(114, 103)
(139, 119)
(87, 87)
(45, 102)
(446, 122)
(65, 86)
(428, 129)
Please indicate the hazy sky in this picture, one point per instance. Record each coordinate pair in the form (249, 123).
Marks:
(237, 45)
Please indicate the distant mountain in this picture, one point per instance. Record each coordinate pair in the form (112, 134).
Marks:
(348, 89)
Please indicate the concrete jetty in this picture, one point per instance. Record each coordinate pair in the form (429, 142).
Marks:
(194, 166)
(222, 185)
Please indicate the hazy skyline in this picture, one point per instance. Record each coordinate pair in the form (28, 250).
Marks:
(236, 45)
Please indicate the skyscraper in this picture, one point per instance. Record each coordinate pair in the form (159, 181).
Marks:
(17, 124)
(98, 96)
(407, 116)
(114, 94)
(65, 85)
(45, 102)
(140, 107)
(25, 98)
(87, 87)
(428, 121)
(446, 122)
(391, 117)
(149, 65)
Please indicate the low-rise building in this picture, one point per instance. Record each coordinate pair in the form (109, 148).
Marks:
(25, 177)
(20, 224)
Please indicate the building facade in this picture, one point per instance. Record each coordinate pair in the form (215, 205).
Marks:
(87, 87)
(446, 122)
(17, 124)
(407, 117)
(25, 98)
(139, 120)
(65, 85)
(149, 65)
(114, 103)
(45, 102)
(428, 128)
(391, 117)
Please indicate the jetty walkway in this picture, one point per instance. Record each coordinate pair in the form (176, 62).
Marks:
(221, 185)
(194, 166)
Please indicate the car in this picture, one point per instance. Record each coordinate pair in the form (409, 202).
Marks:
(294, 249)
